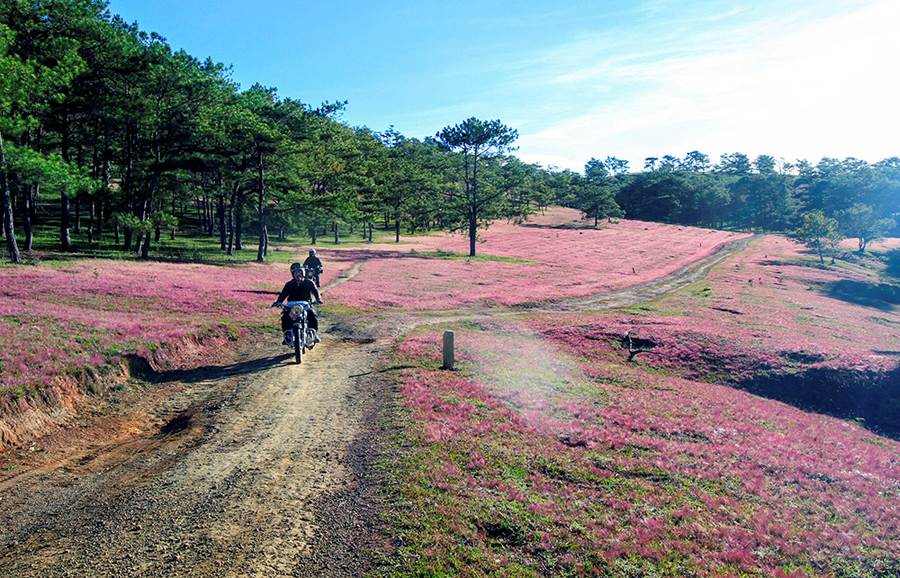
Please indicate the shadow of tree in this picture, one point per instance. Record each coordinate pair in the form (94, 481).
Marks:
(871, 397)
(893, 264)
(208, 372)
(881, 296)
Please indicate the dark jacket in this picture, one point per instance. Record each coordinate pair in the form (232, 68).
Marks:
(305, 290)
(313, 262)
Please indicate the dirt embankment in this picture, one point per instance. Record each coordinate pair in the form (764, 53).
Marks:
(86, 391)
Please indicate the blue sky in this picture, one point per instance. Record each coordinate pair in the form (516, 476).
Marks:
(803, 78)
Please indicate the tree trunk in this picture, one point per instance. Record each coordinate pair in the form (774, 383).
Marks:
(238, 224)
(314, 233)
(101, 207)
(281, 234)
(174, 209)
(127, 240)
(210, 221)
(261, 209)
(139, 247)
(145, 247)
(473, 232)
(337, 234)
(473, 210)
(28, 216)
(397, 228)
(78, 214)
(8, 229)
(65, 239)
(221, 210)
(90, 231)
(233, 200)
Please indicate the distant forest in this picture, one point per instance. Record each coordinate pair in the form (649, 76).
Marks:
(109, 135)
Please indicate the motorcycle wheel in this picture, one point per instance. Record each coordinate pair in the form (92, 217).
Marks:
(298, 346)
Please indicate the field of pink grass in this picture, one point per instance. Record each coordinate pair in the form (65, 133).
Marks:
(773, 298)
(544, 456)
(880, 246)
(55, 320)
(546, 259)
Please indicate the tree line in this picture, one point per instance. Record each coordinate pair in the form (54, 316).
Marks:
(821, 203)
(131, 140)
(108, 134)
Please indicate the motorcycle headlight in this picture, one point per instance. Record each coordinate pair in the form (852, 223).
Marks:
(296, 312)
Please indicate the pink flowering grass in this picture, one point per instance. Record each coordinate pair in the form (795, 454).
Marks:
(547, 457)
(770, 320)
(536, 262)
(773, 295)
(879, 246)
(57, 320)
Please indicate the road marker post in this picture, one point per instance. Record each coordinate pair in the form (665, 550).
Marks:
(448, 350)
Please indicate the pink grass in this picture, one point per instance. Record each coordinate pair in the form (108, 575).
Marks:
(558, 262)
(707, 477)
(57, 319)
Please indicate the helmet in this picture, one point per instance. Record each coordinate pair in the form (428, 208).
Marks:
(312, 251)
(296, 267)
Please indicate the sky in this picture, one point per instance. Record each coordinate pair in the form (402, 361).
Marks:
(577, 79)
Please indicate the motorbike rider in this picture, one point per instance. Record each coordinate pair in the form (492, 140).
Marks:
(299, 289)
(314, 264)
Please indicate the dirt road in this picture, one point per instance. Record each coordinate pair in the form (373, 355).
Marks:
(228, 486)
(256, 468)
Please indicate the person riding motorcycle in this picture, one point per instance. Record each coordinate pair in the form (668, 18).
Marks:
(314, 265)
(299, 289)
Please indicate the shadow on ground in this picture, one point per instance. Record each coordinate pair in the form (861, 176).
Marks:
(881, 296)
(870, 397)
(141, 368)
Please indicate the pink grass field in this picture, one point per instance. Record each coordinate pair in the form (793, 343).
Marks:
(55, 320)
(773, 299)
(547, 457)
(544, 260)
(880, 246)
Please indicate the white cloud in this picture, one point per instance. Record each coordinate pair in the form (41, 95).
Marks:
(796, 88)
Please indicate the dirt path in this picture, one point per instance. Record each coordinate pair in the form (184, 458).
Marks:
(227, 487)
(658, 287)
(256, 468)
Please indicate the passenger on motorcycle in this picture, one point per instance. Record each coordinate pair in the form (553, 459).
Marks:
(299, 289)
(314, 264)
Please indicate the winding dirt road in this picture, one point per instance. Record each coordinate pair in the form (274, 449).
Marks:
(261, 467)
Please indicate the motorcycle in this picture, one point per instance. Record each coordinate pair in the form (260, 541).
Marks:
(313, 273)
(302, 337)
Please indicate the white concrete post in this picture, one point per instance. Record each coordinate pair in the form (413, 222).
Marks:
(448, 350)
